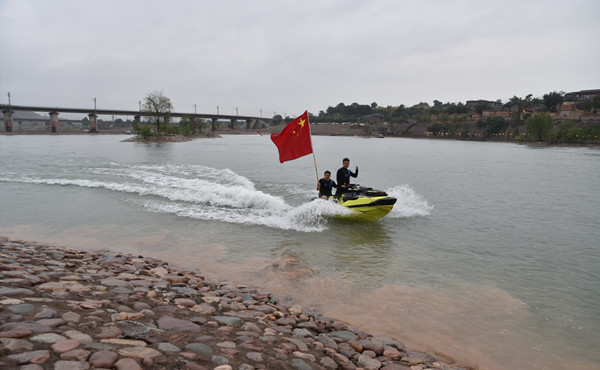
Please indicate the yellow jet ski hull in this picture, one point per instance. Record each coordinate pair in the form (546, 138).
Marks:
(365, 207)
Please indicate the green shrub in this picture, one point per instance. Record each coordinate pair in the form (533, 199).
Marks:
(540, 126)
(145, 131)
(170, 130)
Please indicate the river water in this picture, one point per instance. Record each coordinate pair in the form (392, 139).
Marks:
(491, 255)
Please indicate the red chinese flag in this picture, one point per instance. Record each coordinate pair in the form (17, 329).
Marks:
(294, 141)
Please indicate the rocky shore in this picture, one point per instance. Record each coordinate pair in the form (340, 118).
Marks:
(169, 138)
(67, 309)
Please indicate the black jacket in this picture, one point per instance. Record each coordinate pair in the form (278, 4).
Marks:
(326, 187)
(343, 177)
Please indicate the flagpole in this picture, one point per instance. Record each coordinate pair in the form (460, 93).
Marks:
(316, 171)
(313, 152)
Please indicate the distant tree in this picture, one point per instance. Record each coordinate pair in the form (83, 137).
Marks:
(424, 118)
(186, 126)
(158, 108)
(479, 107)
(551, 100)
(590, 104)
(458, 118)
(277, 119)
(495, 125)
(374, 105)
(457, 108)
(540, 126)
(438, 107)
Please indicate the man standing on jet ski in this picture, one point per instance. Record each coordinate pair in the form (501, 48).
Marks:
(343, 177)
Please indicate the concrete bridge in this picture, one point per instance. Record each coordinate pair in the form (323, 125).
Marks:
(8, 111)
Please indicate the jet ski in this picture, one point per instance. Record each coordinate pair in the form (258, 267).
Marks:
(367, 204)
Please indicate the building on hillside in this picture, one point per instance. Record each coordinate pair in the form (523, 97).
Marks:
(505, 113)
(582, 95)
(568, 110)
(489, 103)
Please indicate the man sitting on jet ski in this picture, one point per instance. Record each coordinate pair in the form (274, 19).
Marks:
(343, 177)
(325, 186)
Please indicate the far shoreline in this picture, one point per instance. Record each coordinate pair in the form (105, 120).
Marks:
(219, 134)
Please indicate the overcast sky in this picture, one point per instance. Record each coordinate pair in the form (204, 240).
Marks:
(288, 56)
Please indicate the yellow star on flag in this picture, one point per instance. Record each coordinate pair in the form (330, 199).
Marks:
(301, 124)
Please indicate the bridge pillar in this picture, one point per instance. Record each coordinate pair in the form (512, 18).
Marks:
(136, 123)
(54, 121)
(20, 125)
(232, 124)
(93, 123)
(248, 124)
(8, 124)
(192, 124)
(214, 124)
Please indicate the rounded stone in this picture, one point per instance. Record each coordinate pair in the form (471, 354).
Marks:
(112, 282)
(21, 333)
(200, 348)
(255, 356)
(53, 286)
(139, 352)
(185, 302)
(295, 310)
(15, 292)
(46, 313)
(226, 344)
(18, 326)
(392, 353)
(304, 356)
(31, 367)
(228, 320)
(127, 364)
(21, 308)
(224, 367)
(171, 323)
(53, 323)
(300, 364)
(345, 335)
(107, 332)
(34, 357)
(75, 334)
(220, 360)
(328, 363)
(367, 362)
(168, 347)
(139, 306)
(65, 346)
(48, 338)
(13, 344)
(195, 366)
(76, 355)
(124, 342)
(71, 317)
(103, 359)
(71, 365)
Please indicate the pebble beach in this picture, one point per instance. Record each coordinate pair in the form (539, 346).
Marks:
(76, 309)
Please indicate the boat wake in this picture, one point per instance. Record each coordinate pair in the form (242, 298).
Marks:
(211, 194)
(408, 204)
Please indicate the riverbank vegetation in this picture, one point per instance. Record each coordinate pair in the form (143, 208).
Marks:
(555, 117)
(157, 110)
